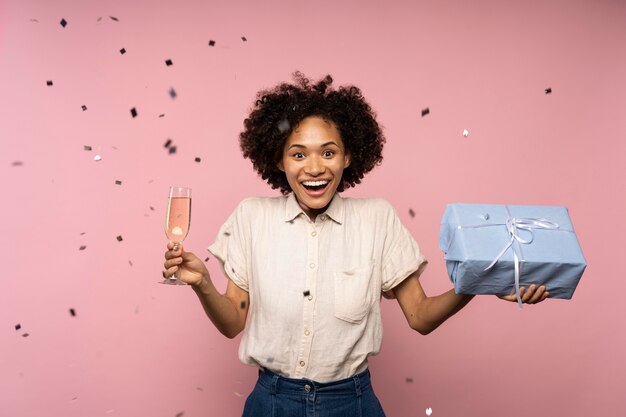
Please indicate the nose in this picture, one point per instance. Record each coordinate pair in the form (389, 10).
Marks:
(314, 167)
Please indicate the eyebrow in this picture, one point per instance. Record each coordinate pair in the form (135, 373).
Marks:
(296, 145)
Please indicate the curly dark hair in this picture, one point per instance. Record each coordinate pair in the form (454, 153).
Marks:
(279, 110)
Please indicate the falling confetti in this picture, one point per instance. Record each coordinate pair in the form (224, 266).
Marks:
(97, 158)
(63, 22)
(548, 90)
(283, 126)
(211, 43)
(425, 111)
(181, 414)
(172, 149)
(243, 38)
(172, 93)
(25, 335)
(73, 312)
(198, 159)
(161, 115)
(83, 247)
(118, 182)
(206, 259)
(168, 62)
(130, 263)
(49, 83)
(114, 18)
(133, 112)
(429, 411)
(465, 132)
(34, 20)
(99, 19)
(123, 51)
(18, 326)
(119, 238)
(17, 163)
(411, 213)
(84, 107)
(306, 293)
(151, 208)
(87, 147)
(409, 380)
(199, 389)
(168, 142)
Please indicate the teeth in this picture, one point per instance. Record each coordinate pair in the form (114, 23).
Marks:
(315, 183)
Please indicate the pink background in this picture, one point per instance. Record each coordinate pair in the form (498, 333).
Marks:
(136, 348)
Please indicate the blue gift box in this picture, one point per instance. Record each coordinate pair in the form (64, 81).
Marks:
(495, 249)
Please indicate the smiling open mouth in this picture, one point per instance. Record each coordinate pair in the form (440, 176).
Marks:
(315, 185)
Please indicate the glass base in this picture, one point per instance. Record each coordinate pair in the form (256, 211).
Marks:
(173, 281)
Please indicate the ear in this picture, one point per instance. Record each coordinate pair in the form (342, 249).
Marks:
(347, 160)
(280, 165)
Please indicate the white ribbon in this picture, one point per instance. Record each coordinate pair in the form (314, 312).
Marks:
(514, 225)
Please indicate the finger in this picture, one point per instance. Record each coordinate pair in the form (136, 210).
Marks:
(169, 272)
(537, 295)
(528, 294)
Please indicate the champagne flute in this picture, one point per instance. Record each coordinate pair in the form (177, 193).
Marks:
(177, 221)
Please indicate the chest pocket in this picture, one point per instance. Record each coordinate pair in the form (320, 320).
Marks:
(355, 293)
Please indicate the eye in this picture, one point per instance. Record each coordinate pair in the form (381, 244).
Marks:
(298, 155)
(328, 154)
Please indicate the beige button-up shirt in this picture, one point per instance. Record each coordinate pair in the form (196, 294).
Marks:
(314, 287)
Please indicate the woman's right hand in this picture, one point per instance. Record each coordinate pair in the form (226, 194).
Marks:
(192, 269)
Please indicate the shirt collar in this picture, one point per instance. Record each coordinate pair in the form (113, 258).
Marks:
(335, 210)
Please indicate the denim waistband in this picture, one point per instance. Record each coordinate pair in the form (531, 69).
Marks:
(277, 384)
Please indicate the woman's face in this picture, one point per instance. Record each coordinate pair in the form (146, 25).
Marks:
(313, 161)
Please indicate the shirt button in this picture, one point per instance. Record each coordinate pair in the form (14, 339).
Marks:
(313, 233)
(306, 332)
(310, 297)
(307, 388)
(311, 265)
(323, 217)
(302, 363)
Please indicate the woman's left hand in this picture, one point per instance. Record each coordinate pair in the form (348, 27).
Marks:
(532, 295)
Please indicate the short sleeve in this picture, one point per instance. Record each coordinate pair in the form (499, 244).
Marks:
(231, 247)
(401, 253)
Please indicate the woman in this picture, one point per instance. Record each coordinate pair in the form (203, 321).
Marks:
(307, 269)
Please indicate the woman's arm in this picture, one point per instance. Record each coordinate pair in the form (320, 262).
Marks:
(425, 314)
(228, 312)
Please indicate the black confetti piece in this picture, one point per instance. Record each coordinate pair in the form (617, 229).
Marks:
(242, 305)
(63, 22)
(181, 414)
(25, 335)
(172, 93)
(211, 43)
(18, 326)
(283, 126)
(123, 51)
(199, 388)
(133, 112)
(411, 213)
(151, 208)
(172, 149)
(306, 293)
(168, 142)
(49, 83)
(34, 20)
(99, 19)
(118, 182)
(409, 380)
(73, 312)
(114, 18)
(161, 115)
(87, 147)
(130, 263)
(17, 163)
(84, 107)
(83, 247)
(425, 111)
(548, 90)
(82, 233)
(207, 259)
(243, 38)
(168, 62)
(198, 159)
(119, 238)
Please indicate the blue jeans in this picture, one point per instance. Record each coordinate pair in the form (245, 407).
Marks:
(276, 396)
